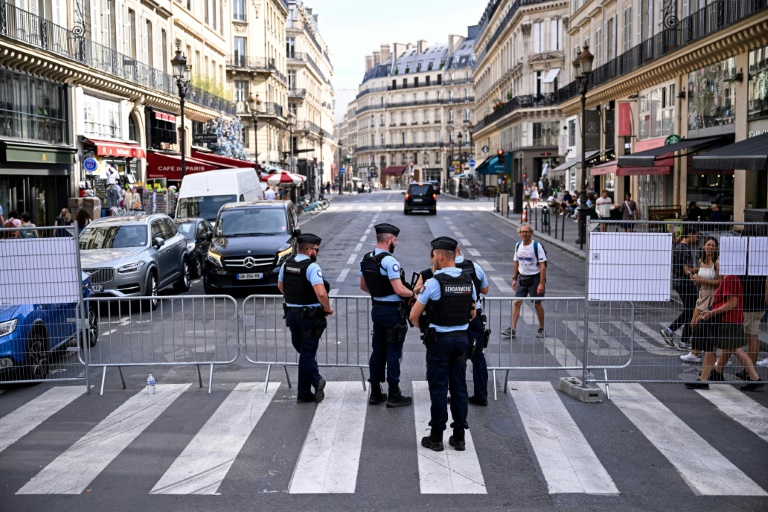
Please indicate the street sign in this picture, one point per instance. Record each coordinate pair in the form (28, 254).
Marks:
(204, 138)
(342, 171)
(486, 149)
(452, 168)
(90, 164)
(472, 162)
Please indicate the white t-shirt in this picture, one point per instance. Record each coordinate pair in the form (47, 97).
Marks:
(111, 175)
(603, 206)
(526, 257)
(269, 194)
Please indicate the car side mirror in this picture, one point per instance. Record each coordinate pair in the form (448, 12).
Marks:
(403, 192)
(296, 232)
(158, 242)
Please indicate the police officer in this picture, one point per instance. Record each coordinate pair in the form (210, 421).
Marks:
(382, 277)
(306, 306)
(449, 300)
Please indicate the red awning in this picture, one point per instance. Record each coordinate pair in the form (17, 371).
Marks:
(612, 167)
(165, 117)
(222, 161)
(165, 165)
(606, 168)
(394, 170)
(112, 148)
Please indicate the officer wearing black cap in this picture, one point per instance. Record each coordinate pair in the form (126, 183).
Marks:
(449, 301)
(306, 306)
(382, 277)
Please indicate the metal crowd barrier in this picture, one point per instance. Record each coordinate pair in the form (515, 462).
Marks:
(190, 330)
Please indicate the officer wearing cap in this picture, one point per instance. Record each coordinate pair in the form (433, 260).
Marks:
(449, 301)
(382, 277)
(306, 306)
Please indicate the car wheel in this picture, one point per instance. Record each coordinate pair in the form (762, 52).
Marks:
(36, 361)
(91, 331)
(405, 211)
(208, 290)
(150, 290)
(182, 285)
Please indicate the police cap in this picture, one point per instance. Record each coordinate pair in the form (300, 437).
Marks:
(309, 238)
(386, 229)
(445, 243)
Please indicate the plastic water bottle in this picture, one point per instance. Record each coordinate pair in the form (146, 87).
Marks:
(151, 384)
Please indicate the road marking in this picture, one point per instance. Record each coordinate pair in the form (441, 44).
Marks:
(604, 346)
(485, 264)
(26, 418)
(363, 238)
(342, 276)
(330, 457)
(109, 332)
(204, 463)
(352, 259)
(368, 231)
(502, 285)
(333, 291)
(562, 355)
(467, 208)
(458, 234)
(567, 461)
(74, 470)
(449, 471)
(473, 252)
(465, 243)
(358, 247)
(739, 407)
(654, 335)
(703, 468)
(649, 347)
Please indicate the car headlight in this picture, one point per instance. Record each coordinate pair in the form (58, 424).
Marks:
(214, 258)
(284, 255)
(131, 268)
(8, 327)
(190, 246)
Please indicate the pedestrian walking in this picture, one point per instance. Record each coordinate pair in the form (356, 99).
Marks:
(528, 279)
(383, 278)
(755, 305)
(64, 219)
(628, 213)
(269, 194)
(449, 302)
(535, 195)
(27, 228)
(707, 278)
(82, 219)
(683, 267)
(603, 205)
(306, 305)
(13, 221)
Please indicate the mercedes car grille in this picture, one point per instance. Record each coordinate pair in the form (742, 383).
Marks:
(249, 262)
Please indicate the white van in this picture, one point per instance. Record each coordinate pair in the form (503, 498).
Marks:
(202, 194)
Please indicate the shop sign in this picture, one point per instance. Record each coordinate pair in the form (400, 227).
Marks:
(90, 164)
(592, 130)
(672, 139)
(205, 138)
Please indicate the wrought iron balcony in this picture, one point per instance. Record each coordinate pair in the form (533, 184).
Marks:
(518, 102)
(297, 93)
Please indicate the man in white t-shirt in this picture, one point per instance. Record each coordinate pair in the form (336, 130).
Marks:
(603, 206)
(269, 194)
(530, 274)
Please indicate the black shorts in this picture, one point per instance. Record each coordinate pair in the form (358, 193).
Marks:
(528, 291)
(711, 336)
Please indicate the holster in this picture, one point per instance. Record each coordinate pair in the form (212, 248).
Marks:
(307, 312)
(396, 335)
(285, 311)
(470, 353)
(429, 336)
(486, 337)
(317, 330)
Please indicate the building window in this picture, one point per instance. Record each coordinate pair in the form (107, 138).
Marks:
(556, 34)
(32, 109)
(545, 134)
(627, 28)
(571, 133)
(598, 47)
(238, 10)
(712, 95)
(538, 38)
(292, 79)
(657, 113)
(239, 48)
(245, 137)
(758, 83)
(241, 90)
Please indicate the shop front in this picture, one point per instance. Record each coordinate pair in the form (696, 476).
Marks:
(393, 177)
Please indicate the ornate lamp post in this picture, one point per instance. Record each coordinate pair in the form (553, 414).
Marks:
(582, 66)
(320, 161)
(341, 176)
(181, 73)
(254, 106)
(291, 125)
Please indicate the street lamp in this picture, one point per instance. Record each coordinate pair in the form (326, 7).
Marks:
(320, 163)
(181, 73)
(461, 147)
(582, 66)
(341, 175)
(291, 124)
(253, 105)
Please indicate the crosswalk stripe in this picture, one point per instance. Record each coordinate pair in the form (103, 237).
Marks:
(648, 346)
(606, 347)
(449, 471)
(739, 407)
(702, 467)
(72, 471)
(26, 418)
(204, 463)
(330, 457)
(502, 285)
(342, 275)
(567, 460)
(484, 263)
(562, 355)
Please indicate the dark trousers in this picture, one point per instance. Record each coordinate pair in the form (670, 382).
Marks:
(447, 370)
(689, 293)
(306, 346)
(479, 366)
(384, 355)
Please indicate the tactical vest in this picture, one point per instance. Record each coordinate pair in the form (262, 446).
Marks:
(467, 267)
(298, 289)
(378, 285)
(455, 302)
(426, 274)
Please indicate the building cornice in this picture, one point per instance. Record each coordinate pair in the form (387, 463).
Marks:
(538, 113)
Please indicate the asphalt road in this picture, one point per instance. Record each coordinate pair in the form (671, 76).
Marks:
(652, 447)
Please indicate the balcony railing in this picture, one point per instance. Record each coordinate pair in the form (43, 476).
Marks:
(33, 30)
(297, 93)
(304, 57)
(505, 23)
(309, 126)
(433, 101)
(263, 64)
(518, 102)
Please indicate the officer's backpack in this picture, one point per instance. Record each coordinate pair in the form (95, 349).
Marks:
(535, 251)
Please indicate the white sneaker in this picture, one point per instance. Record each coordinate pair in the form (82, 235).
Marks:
(690, 357)
(683, 346)
(763, 363)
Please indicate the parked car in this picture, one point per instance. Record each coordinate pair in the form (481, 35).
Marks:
(250, 243)
(420, 196)
(135, 257)
(29, 333)
(198, 233)
(436, 185)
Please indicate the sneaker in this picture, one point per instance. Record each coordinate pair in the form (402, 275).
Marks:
(668, 336)
(540, 333)
(716, 376)
(690, 357)
(742, 375)
(509, 333)
(319, 393)
(697, 385)
(683, 346)
(475, 400)
(762, 362)
(752, 386)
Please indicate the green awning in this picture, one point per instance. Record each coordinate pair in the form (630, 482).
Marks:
(491, 165)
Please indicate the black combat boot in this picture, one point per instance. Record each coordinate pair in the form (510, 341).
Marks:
(396, 399)
(377, 396)
(457, 439)
(434, 441)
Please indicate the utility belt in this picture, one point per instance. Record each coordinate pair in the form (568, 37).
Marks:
(388, 303)
(305, 311)
(430, 335)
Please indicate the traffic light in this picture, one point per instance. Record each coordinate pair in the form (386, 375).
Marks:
(500, 155)
(525, 175)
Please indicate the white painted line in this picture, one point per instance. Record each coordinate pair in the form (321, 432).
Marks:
(567, 461)
(467, 208)
(640, 341)
(604, 345)
(205, 461)
(358, 247)
(330, 457)
(449, 471)
(562, 355)
(363, 238)
(485, 264)
(368, 231)
(26, 418)
(352, 259)
(704, 469)
(502, 285)
(473, 252)
(464, 242)
(74, 470)
(109, 332)
(342, 276)
(458, 234)
(392, 207)
(334, 291)
(741, 408)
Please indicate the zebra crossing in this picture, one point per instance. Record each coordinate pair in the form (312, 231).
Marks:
(559, 433)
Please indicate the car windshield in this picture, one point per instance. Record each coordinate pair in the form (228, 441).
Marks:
(187, 229)
(113, 237)
(252, 222)
(421, 190)
(206, 207)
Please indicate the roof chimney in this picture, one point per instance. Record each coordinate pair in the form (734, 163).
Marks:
(376, 58)
(368, 63)
(454, 42)
(386, 53)
(421, 45)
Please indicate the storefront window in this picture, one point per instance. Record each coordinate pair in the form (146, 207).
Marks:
(101, 118)
(657, 112)
(32, 109)
(758, 83)
(712, 95)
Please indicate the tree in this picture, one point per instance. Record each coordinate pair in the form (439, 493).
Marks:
(229, 143)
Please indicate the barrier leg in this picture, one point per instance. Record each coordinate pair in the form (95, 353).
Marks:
(506, 378)
(103, 378)
(607, 385)
(210, 380)
(266, 382)
(495, 396)
(362, 377)
(122, 379)
(199, 377)
(287, 377)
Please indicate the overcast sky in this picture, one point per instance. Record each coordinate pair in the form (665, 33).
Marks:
(355, 28)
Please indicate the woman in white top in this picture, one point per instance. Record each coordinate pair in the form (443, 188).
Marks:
(603, 207)
(535, 195)
(707, 278)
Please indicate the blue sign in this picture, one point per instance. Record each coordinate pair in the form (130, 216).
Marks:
(343, 170)
(452, 169)
(472, 162)
(90, 164)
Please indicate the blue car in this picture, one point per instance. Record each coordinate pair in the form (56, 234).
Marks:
(29, 333)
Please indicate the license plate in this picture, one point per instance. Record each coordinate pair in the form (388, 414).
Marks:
(418, 200)
(253, 275)
(98, 288)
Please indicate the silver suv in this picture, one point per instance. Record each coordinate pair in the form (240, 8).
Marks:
(134, 256)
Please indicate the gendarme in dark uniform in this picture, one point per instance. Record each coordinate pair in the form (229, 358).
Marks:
(449, 300)
(306, 306)
(382, 277)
